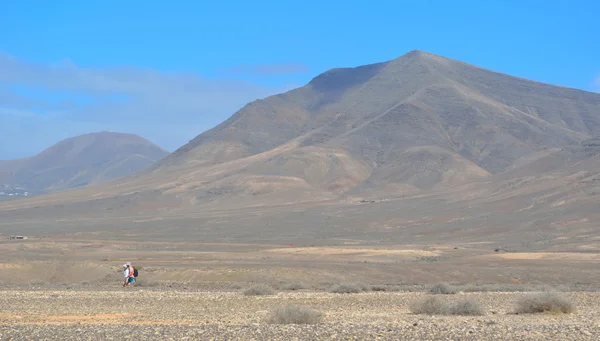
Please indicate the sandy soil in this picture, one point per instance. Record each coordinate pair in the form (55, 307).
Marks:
(60, 261)
(67, 288)
(156, 314)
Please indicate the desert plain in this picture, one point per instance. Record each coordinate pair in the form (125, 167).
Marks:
(352, 196)
(58, 285)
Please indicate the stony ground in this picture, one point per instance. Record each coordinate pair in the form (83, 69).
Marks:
(149, 314)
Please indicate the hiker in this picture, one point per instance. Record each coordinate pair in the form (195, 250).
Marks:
(129, 273)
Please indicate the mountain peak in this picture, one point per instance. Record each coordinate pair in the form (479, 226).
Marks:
(343, 77)
(81, 160)
(420, 120)
(422, 56)
(415, 52)
(109, 136)
(415, 123)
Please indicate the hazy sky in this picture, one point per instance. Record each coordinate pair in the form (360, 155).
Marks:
(170, 70)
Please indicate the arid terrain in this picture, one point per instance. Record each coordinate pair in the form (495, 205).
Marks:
(156, 314)
(85, 258)
(397, 175)
(68, 288)
(79, 161)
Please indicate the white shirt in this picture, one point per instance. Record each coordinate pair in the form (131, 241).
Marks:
(126, 272)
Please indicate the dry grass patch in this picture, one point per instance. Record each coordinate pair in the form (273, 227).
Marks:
(466, 307)
(428, 306)
(547, 302)
(292, 286)
(437, 306)
(493, 288)
(236, 286)
(347, 288)
(379, 288)
(508, 288)
(443, 289)
(259, 290)
(37, 282)
(292, 314)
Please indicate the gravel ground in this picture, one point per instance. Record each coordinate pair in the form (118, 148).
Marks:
(176, 315)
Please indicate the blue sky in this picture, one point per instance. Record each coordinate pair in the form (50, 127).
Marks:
(170, 70)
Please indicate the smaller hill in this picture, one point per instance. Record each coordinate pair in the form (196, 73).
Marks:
(79, 161)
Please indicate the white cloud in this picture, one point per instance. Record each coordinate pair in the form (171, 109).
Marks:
(41, 103)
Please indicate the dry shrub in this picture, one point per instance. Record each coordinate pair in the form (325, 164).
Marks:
(466, 307)
(236, 286)
(379, 288)
(443, 289)
(437, 306)
(428, 306)
(259, 290)
(347, 288)
(37, 282)
(547, 302)
(396, 288)
(512, 288)
(493, 288)
(296, 285)
(292, 314)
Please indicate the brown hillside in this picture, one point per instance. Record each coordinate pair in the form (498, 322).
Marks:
(415, 125)
(81, 160)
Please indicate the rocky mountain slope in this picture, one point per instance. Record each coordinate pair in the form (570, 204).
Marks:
(79, 161)
(415, 123)
(420, 124)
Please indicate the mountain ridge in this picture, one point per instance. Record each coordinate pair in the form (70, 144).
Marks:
(241, 148)
(415, 124)
(81, 160)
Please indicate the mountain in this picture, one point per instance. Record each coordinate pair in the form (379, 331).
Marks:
(79, 161)
(417, 125)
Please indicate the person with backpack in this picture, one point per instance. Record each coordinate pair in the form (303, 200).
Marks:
(130, 273)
